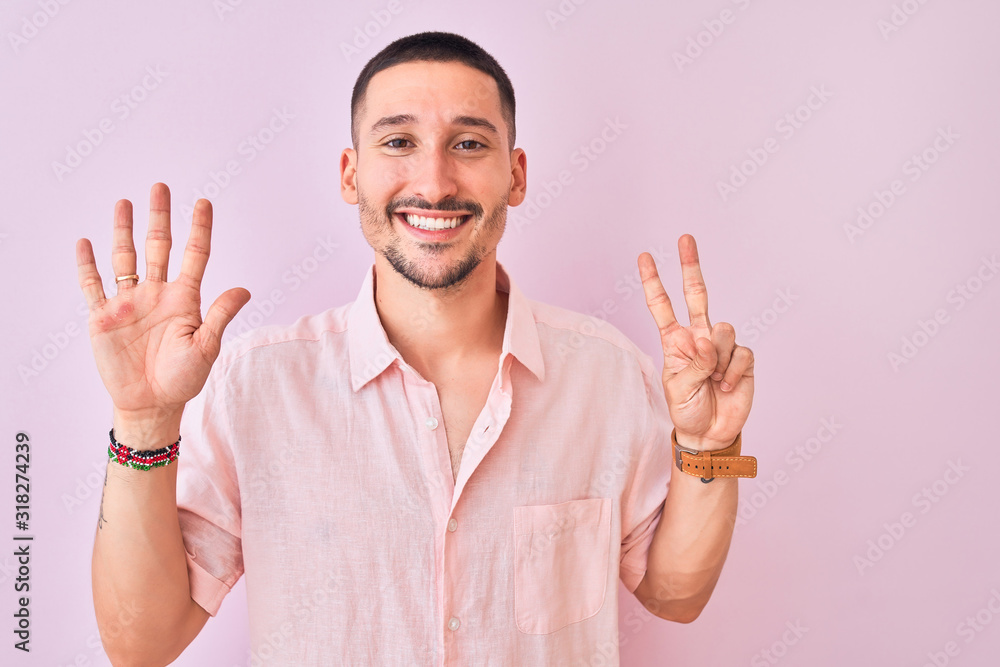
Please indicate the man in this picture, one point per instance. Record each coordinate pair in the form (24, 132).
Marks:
(442, 472)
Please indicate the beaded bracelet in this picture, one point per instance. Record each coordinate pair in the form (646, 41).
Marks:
(142, 460)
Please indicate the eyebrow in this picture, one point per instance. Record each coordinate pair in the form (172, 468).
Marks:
(392, 121)
(476, 121)
(407, 119)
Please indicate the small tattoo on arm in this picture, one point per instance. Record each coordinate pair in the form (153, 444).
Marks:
(100, 519)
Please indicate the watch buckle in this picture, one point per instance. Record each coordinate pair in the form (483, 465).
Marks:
(678, 450)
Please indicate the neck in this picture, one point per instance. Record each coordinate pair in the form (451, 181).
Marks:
(436, 329)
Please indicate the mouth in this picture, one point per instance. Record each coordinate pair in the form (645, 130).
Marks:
(432, 224)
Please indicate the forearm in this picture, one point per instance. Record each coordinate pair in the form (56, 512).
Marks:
(689, 546)
(140, 581)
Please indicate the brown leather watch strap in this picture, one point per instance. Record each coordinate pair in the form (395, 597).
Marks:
(711, 464)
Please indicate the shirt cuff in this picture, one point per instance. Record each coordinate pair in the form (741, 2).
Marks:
(206, 590)
(634, 564)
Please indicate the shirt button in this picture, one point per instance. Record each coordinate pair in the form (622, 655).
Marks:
(452, 525)
(432, 423)
(453, 624)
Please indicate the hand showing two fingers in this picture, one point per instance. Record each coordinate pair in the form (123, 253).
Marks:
(707, 377)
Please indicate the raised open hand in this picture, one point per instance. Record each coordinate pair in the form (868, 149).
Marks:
(153, 350)
(707, 377)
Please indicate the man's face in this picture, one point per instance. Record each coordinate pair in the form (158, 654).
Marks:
(432, 174)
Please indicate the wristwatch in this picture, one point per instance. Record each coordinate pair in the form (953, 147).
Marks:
(717, 463)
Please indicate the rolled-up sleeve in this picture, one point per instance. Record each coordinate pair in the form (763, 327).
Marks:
(208, 496)
(643, 497)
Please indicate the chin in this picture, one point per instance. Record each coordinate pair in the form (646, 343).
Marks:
(443, 277)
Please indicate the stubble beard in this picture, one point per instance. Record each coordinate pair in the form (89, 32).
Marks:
(380, 222)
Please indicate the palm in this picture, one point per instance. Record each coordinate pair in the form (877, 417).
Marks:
(699, 408)
(152, 349)
(151, 355)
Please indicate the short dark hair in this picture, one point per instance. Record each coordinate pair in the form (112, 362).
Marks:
(435, 47)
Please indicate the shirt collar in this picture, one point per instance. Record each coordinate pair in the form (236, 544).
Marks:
(370, 351)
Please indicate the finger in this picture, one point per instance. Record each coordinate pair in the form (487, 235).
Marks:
(199, 243)
(724, 339)
(86, 273)
(689, 381)
(695, 293)
(656, 297)
(741, 366)
(218, 317)
(158, 234)
(122, 246)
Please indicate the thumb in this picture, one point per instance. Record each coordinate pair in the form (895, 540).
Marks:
(220, 314)
(689, 380)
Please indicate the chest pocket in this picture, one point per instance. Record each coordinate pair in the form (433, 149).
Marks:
(561, 555)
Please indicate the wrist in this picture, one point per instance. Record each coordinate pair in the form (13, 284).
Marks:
(148, 429)
(699, 443)
(709, 464)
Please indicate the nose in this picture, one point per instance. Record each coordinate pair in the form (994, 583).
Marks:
(434, 177)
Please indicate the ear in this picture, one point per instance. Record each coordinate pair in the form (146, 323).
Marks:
(349, 176)
(518, 177)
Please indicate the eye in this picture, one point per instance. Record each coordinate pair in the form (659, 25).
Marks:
(462, 144)
(391, 142)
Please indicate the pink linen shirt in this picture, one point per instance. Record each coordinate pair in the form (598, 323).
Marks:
(315, 462)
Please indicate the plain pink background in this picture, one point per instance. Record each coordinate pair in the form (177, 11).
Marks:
(822, 309)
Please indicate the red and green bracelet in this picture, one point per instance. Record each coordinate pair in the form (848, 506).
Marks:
(142, 460)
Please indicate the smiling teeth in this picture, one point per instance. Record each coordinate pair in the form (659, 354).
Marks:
(433, 223)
